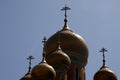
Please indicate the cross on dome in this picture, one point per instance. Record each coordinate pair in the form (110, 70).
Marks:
(65, 20)
(65, 9)
(44, 53)
(103, 50)
(30, 60)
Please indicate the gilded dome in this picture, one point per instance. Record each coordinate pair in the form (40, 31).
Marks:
(26, 77)
(70, 42)
(59, 60)
(43, 71)
(105, 74)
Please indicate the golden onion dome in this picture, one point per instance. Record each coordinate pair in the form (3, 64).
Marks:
(43, 71)
(26, 77)
(71, 43)
(59, 60)
(105, 74)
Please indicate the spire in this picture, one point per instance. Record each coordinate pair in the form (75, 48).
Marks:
(44, 53)
(30, 60)
(103, 50)
(65, 20)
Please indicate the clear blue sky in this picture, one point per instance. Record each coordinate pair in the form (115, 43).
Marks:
(24, 23)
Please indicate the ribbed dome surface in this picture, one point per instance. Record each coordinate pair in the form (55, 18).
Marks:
(59, 60)
(105, 74)
(43, 71)
(70, 42)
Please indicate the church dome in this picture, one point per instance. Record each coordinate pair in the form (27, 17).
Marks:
(43, 71)
(105, 74)
(70, 42)
(59, 60)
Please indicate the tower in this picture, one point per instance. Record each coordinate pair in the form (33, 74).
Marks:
(72, 45)
(104, 73)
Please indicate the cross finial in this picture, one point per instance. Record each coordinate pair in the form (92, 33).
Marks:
(44, 43)
(65, 20)
(65, 9)
(103, 50)
(30, 60)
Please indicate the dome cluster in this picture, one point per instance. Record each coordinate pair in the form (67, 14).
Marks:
(65, 53)
(56, 57)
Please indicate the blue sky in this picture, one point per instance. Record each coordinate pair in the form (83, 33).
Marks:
(24, 23)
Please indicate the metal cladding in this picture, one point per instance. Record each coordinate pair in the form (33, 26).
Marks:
(105, 74)
(71, 44)
(43, 71)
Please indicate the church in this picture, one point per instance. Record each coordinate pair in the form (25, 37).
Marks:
(65, 55)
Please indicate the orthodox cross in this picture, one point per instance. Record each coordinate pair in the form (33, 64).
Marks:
(30, 60)
(103, 50)
(65, 9)
(44, 43)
